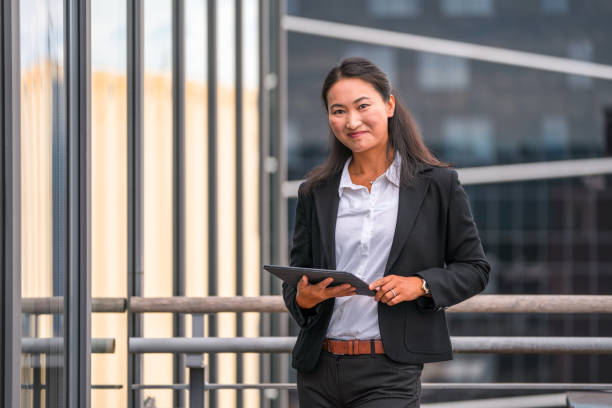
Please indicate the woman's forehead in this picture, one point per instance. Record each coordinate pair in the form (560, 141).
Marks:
(349, 90)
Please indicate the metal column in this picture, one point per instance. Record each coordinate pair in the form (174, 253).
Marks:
(77, 299)
(239, 195)
(10, 209)
(212, 181)
(178, 185)
(274, 172)
(135, 95)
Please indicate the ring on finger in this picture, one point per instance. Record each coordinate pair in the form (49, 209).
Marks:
(394, 294)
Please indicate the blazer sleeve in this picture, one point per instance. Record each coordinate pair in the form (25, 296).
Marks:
(467, 270)
(301, 255)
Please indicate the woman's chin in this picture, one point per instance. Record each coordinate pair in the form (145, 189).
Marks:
(357, 146)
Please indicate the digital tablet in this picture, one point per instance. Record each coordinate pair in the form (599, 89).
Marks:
(292, 275)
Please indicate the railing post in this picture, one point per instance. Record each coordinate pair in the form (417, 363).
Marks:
(197, 385)
(36, 379)
(197, 368)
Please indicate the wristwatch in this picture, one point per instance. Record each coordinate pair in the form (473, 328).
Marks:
(424, 287)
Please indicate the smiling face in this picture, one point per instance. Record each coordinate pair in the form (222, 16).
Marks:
(358, 115)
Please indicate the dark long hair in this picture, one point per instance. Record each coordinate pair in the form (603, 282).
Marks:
(404, 136)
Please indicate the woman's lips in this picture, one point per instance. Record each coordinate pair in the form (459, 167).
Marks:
(355, 134)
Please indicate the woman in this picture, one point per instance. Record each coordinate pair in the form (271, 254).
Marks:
(384, 208)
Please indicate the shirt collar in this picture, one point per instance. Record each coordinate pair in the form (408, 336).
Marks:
(345, 179)
(392, 174)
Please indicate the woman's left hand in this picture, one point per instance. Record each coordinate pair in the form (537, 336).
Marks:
(393, 289)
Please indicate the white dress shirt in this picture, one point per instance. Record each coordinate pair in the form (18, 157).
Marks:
(365, 227)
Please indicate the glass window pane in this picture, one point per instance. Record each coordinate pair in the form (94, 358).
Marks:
(394, 8)
(250, 185)
(43, 200)
(109, 194)
(157, 178)
(467, 7)
(442, 72)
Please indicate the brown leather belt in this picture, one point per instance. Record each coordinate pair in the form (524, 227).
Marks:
(353, 347)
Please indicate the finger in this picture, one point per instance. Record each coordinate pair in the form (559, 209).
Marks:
(325, 283)
(349, 293)
(395, 300)
(343, 290)
(379, 294)
(303, 282)
(382, 290)
(378, 283)
(336, 290)
(388, 297)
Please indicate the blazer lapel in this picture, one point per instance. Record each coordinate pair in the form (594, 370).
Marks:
(326, 204)
(410, 200)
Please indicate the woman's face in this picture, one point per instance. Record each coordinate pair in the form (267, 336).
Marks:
(358, 115)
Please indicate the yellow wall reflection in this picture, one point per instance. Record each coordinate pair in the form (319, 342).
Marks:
(109, 216)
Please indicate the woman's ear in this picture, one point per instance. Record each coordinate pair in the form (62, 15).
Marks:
(391, 106)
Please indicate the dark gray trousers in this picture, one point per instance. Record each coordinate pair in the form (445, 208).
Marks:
(364, 381)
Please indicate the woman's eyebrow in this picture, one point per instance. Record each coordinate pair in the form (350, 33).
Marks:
(360, 99)
(355, 101)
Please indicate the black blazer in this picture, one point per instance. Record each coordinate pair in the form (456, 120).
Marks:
(435, 238)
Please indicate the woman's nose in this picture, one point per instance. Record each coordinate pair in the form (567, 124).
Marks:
(352, 121)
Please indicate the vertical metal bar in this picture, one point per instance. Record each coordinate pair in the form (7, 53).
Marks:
(282, 256)
(212, 181)
(36, 377)
(60, 226)
(5, 271)
(54, 380)
(135, 121)
(273, 175)
(195, 362)
(11, 207)
(280, 142)
(178, 185)
(274, 169)
(264, 202)
(197, 387)
(77, 301)
(239, 196)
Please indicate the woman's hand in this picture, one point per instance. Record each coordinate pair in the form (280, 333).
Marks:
(308, 296)
(393, 289)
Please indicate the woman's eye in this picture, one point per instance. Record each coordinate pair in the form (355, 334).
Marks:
(337, 112)
(363, 106)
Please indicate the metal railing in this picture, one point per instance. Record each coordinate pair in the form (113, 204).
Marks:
(195, 347)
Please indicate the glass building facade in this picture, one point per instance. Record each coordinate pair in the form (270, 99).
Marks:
(547, 236)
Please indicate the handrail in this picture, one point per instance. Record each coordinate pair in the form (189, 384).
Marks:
(55, 345)
(55, 305)
(274, 304)
(425, 385)
(460, 344)
(476, 304)
(195, 347)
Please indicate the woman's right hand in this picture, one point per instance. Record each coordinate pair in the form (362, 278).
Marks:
(308, 296)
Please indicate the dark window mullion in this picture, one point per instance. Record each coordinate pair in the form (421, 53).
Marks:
(135, 97)
(212, 182)
(239, 196)
(77, 299)
(178, 185)
(10, 210)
